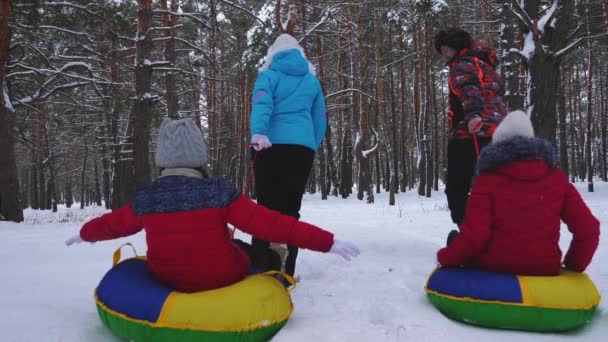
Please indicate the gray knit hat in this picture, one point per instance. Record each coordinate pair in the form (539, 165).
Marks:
(180, 144)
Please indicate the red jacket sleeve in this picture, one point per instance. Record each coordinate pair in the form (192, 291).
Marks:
(270, 225)
(118, 223)
(474, 231)
(585, 229)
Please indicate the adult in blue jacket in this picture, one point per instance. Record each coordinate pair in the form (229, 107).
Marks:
(287, 126)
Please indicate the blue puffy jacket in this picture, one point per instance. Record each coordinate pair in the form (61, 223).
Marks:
(287, 102)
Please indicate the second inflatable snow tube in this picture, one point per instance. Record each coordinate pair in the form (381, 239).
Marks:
(507, 301)
(135, 306)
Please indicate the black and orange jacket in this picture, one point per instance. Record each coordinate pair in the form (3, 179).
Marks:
(476, 89)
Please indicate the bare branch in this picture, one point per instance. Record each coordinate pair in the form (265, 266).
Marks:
(568, 48)
(237, 6)
(351, 90)
(520, 14)
(187, 15)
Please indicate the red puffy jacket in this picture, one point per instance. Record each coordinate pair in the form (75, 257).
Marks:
(512, 220)
(189, 245)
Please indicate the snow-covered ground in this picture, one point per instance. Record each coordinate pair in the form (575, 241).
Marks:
(46, 289)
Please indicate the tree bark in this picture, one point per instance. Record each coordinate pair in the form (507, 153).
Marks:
(142, 109)
(563, 137)
(170, 32)
(10, 206)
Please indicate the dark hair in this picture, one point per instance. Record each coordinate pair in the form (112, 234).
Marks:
(455, 38)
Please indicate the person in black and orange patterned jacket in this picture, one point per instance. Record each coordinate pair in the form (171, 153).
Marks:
(475, 109)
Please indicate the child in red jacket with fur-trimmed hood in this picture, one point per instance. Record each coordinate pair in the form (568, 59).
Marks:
(185, 214)
(512, 220)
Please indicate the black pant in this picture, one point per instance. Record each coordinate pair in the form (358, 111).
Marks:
(273, 258)
(281, 173)
(461, 169)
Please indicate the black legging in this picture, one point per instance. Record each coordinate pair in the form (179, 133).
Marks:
(461, 169)
(281, 173)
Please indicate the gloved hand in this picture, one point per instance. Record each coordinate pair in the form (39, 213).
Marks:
(344, 249)
(260, 142)
(474, 124)
(74, 239)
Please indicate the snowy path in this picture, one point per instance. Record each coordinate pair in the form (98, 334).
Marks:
(46, 288)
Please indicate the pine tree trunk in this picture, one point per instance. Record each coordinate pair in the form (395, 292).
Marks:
(10, 206)
(563, 139)
(604, 125)
(34, 181)
(69, 198)
(42, 186)
(403, 107)
(571, 109)
(170, 32)
(589, 134)
(142, 108)
(83, 184)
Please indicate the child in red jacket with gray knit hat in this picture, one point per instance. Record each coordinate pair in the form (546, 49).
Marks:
(185, 214)
(512, 220)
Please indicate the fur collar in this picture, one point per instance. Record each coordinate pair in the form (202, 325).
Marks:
(516, 149)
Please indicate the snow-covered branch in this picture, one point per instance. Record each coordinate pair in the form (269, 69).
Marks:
(520, 14)
(571, 46)
(351, 90)
(371, 150)
(547, 17)
(324, 15)
(72, 5)
(187, 15)
(239, 7)
(56, 28)
(43, 94)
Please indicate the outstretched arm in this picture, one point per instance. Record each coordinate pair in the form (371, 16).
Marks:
(119, 223)
(270, 225)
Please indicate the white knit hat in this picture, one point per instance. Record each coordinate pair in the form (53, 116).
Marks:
(517, 123)
(284, 42)
(180, 144)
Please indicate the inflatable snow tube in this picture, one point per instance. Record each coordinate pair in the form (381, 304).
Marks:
(507, 301)
(134, 306)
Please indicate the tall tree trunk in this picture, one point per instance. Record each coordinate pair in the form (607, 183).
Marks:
(543, 65)
(327, 180)
(10, 206)
(589, 140)
(34, 190)
(83, 184)
(403, 107)
(42, 185)
(142, 108)
(604, 123)
(572, 130)
(581, 130)
(97, 185)
(394, 172)
(170, 32)
(563, 137)
(69, 197)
